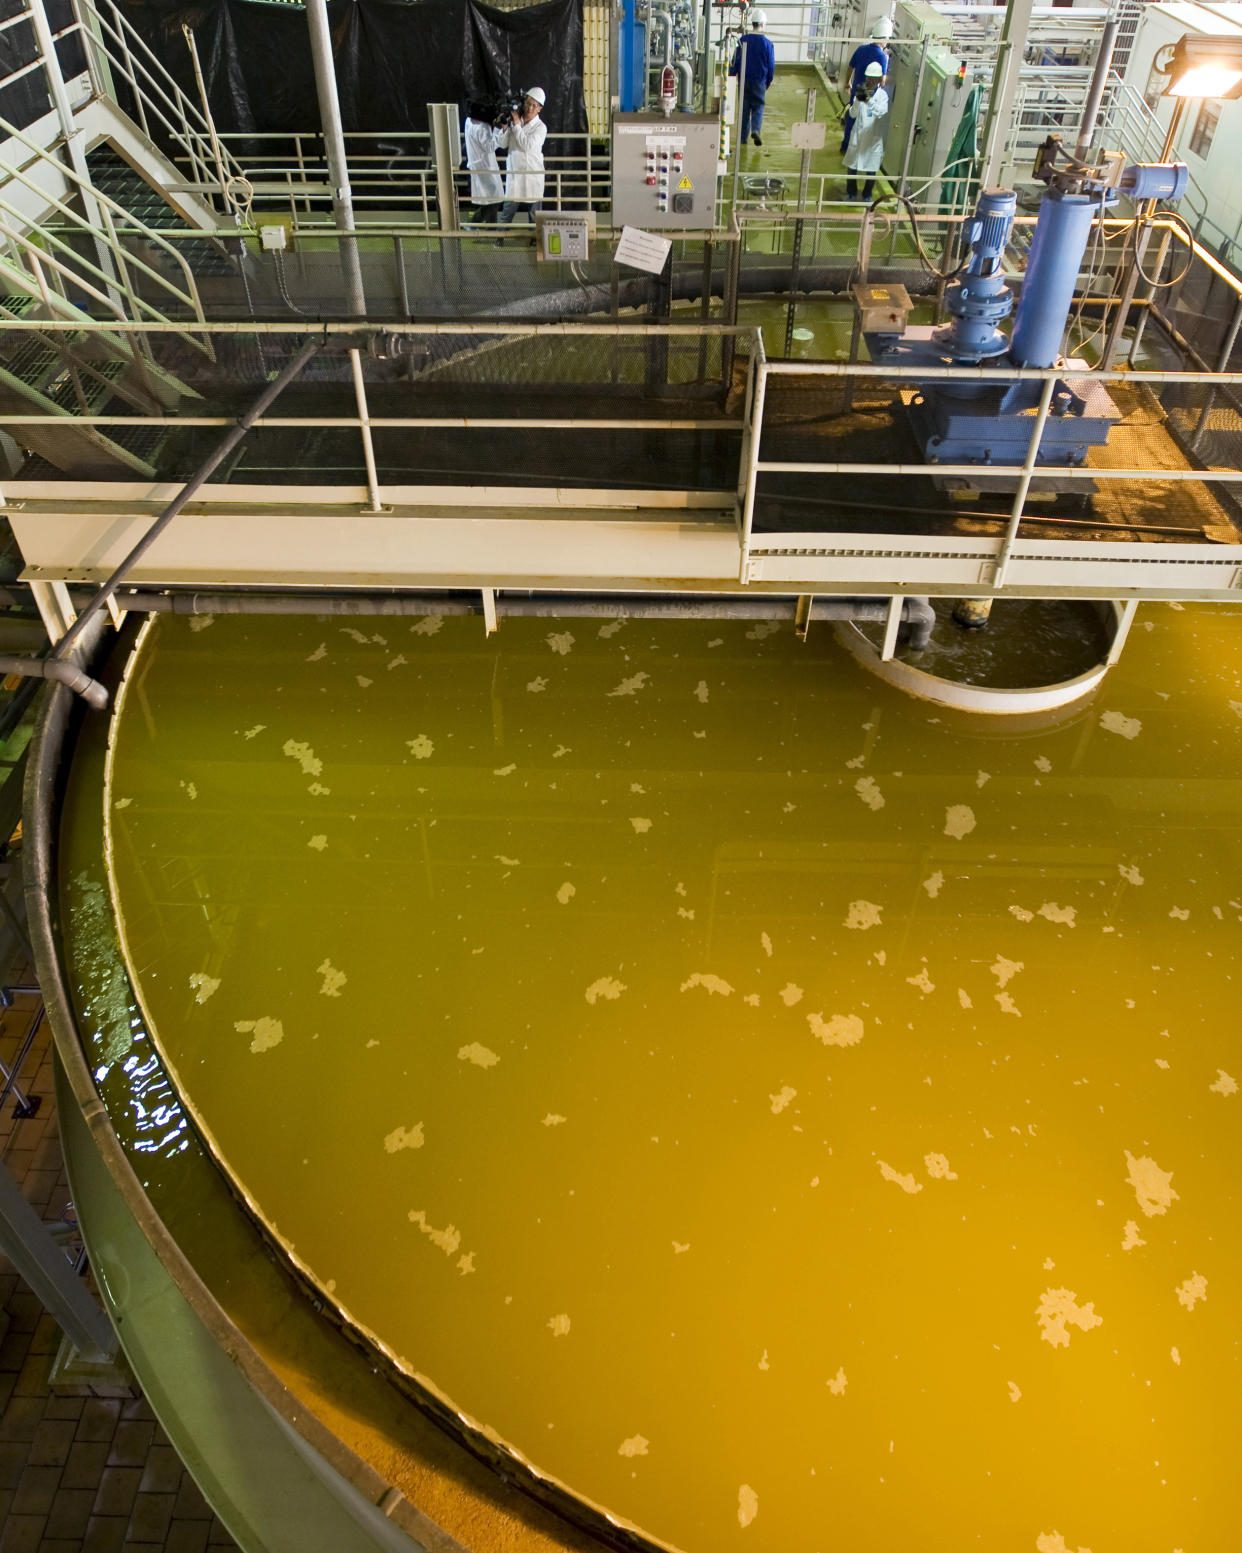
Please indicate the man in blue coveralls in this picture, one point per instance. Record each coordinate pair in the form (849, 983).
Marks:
(760, 72)
(855, 73)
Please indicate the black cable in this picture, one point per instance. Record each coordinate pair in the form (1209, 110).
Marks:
(1163, 285)
(928, 265)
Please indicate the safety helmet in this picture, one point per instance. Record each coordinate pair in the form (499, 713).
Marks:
(883, 27)
(536, 94)
(758, 19)
(874, 70)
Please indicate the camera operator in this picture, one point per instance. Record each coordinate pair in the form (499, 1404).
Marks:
(486, 187)
(866, 148)
(524, 139)
(855, 72)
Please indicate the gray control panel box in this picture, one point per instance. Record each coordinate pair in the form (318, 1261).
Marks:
(664, 170)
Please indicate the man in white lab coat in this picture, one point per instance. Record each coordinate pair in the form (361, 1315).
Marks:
(865, 151)
(487, 190)
(524, 177)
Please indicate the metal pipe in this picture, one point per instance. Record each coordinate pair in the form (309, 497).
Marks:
(1095, 92)
(334, 145)
(1024, 485)
(65, 673)
(364, 426)
(221, 451)
(751, 437)
(749, 606)
(685, 85)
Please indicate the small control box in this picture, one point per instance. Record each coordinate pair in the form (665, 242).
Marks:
(561, 234)
(664, 170)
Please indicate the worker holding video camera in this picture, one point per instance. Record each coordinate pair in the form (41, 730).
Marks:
(524, 138)
(866, 148)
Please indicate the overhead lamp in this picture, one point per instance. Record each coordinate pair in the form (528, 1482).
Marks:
(1205, 67)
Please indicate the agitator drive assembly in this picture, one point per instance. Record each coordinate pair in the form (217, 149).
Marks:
(990, 423)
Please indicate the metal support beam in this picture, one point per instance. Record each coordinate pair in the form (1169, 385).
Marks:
(54, 605)
(1128, 612)
(446, 157)
(891, 626)
(45, 1269)
(334, 146)
(1024, 484)
(364, 426)
(1004, 88)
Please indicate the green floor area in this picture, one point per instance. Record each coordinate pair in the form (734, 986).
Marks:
(786, 104)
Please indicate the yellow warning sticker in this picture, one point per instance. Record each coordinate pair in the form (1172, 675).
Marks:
(685, 184)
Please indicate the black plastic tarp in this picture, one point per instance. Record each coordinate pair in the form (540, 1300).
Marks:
(392, 59)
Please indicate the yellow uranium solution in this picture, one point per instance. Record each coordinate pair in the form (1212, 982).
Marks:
(791, 1116)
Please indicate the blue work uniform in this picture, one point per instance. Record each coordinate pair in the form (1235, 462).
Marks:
(865, 54)
(760, 73)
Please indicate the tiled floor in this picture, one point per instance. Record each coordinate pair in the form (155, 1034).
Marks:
(77, 1474)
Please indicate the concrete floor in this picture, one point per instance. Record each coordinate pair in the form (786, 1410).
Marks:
(78, 1474)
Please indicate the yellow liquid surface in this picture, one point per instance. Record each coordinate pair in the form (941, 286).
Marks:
(790, 1115)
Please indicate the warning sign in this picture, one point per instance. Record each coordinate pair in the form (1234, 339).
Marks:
(685, 184)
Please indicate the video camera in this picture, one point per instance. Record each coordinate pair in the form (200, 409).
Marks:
(498, 111)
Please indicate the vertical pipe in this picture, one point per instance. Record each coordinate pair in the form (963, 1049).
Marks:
(1024, 484)
(334, 145)
(1095, 93)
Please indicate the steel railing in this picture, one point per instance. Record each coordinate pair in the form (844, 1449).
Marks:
(43, 248)
(166, 115)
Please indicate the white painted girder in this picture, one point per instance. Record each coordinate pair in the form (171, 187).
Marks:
(555, 539)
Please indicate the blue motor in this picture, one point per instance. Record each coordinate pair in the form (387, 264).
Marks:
(981, 299)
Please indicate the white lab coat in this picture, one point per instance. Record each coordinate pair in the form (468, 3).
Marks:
(486, 185)
(866, 147)
(524, 178)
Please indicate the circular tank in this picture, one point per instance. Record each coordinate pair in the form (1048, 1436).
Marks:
(646, 1083)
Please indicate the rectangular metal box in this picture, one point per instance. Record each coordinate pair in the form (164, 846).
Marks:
(664, 170)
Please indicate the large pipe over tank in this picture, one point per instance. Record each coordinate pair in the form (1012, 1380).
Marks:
(917, 613)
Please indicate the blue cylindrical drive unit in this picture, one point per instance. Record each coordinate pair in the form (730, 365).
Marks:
(981, 298)
(1155, 180)
(1051, 274)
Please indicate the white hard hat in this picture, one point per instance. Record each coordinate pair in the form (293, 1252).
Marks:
(883, 27)
(758, 19)
(874, 70)
(536, 94)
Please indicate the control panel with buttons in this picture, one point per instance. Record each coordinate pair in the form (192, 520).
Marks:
(665, 170)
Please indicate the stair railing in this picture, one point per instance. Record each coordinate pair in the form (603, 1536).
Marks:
(114, 46)
(125, 259)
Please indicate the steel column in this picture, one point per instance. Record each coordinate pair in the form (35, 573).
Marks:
(334, 146)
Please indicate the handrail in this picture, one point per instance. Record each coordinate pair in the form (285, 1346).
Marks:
(190, 297)
(179, 115)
